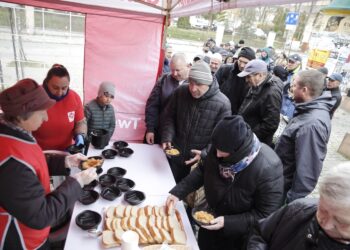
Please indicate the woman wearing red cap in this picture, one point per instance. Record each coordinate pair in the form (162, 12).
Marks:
(27, 207)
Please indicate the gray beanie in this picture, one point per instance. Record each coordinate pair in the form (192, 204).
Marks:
(200, 73)
(106, 87)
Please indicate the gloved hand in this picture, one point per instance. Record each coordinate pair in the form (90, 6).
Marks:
(79, 140)
(74, 160)
(86, 176)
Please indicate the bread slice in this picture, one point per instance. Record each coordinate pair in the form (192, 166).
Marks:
(132, 222)
(178, 236)
(162, 211)
(116, 224)
(173, 223)
(118, 235)
(119, 211)
(109, 221)
(124, 223)
(165, 223)
(143, 238)
(156, 210)
(141, 211)
(170, 209)
(148, 210)
(134, 211)
(110, 212)
(165, 236)
(159, 222)
(127, 211)
(156, 234)
(141, 221)
(151, 221)
(108, 239)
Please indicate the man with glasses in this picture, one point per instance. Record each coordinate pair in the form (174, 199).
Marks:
(333, 85)
(230, 84)
(99, 112)
(261, 106)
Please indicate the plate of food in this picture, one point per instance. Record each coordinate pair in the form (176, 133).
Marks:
(203, 215)
(93, 162)
(172, 152)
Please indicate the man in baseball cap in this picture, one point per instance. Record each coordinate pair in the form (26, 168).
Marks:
(333, 82)
(261, 106)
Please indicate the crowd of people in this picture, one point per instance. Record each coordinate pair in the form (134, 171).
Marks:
(224, 112)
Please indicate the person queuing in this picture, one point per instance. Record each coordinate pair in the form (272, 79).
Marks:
(265, 56)
(27, 207)
(66, 118)
(167, 58)
(305, 224)
(333, 82)
(302, 146)
(262, 105)
(234, 87)
(99, 112)
(243, 182)
(190, 116)
(215, 62)
(160, 95)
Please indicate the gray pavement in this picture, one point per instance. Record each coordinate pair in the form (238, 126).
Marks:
(340, 126)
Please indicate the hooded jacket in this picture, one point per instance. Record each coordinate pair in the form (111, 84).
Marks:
(261, 108)
(293, 227)
(254, 193)
(234, 87)
(189, 122)
(302, 146)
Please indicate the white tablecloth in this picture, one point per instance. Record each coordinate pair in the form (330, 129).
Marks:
(150, 170)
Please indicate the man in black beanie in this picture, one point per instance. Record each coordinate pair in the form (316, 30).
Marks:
(243, 182)
(190, 116)
(230, 84)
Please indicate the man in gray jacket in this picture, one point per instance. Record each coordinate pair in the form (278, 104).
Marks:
(302, 146)
(190, 117)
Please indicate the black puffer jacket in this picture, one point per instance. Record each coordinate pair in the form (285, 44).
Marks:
(261, 108)
(234, 87)
(292, 227)
(254, 193)
(189, 122)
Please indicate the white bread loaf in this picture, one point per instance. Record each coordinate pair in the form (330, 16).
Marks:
(132, 223)
(173, 223)
(108, 239)
(118, 235)
(151, 221)
(165, 223)
(127, 211)
(116, 224)
(162, 211)
(159, 222)
(109, 221)
(156, 234)
(141, 211)
(170, 209)
(143, 238)
(178, 236)
(134, 211)
(148, 210)
(124, 223)
(156, 211)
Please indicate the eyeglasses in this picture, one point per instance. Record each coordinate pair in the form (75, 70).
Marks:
(106, 94)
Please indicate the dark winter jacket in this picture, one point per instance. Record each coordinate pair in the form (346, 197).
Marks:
(254, 193)
(189, 122)
(234, 87)
(336, 95)
(261, 108)
(157, 101)
(293, 227)
(99, 117)
(302, 146)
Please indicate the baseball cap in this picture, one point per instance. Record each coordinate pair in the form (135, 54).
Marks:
(295, 58)
(254, 66)
(336, 76)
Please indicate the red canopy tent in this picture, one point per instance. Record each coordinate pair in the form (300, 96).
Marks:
(123, 44)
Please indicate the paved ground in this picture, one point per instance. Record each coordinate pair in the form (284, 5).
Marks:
(340, 126)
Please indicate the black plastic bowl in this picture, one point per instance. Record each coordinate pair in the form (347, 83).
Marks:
(205, 209)
(125, 152)
(110, 193)
(117, 172)
(74, 149)
(134, 197)
(107, 180)
(120, 144)
(109, 153)
(88, 219)
(125, 184)
(98, 167)
(168, 153)
(91, 186)
(88, 197)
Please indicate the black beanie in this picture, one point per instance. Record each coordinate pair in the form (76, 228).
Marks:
(230, 134)
(280, 72)
(247, 52)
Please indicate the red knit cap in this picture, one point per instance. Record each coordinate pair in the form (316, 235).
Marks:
(24, 97)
